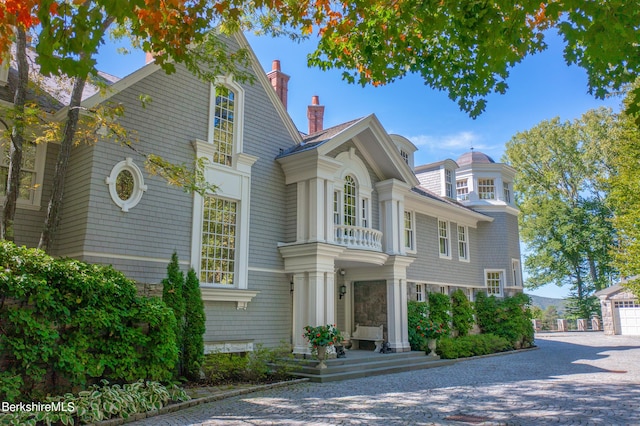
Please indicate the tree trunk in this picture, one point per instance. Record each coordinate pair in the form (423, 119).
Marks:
(17, 139)
(593, 271)
(55, 202)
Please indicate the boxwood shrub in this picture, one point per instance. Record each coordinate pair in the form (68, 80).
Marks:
(67, 324)
(471, 345)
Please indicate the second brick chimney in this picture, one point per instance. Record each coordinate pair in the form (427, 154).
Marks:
(315, 114)
(279, 81)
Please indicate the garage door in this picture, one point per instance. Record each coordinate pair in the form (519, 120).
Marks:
(628, 317)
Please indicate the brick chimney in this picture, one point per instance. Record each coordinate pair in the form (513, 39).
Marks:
(279, 81)
(315, 114)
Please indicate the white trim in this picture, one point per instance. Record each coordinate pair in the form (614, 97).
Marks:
(517, 278)
(411, 248)
(267, 270)
(439, 283)
(138, 184)
(83, 254)
(240, 297)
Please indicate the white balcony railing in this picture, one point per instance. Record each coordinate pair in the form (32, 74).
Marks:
(358, 237)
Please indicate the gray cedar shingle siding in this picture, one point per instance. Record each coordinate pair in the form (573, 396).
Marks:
(429, 267)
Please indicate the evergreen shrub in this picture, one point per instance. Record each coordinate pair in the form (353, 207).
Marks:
(461, 313)
(509, 317)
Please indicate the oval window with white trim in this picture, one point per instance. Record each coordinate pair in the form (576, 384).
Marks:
(126, 184)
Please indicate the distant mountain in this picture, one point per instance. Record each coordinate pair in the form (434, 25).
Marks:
(544, 302)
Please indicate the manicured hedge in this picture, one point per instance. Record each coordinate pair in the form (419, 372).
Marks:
(67, 324)
(471, 345)
(509, 318)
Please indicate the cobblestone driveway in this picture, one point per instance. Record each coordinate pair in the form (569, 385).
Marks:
(574, 378)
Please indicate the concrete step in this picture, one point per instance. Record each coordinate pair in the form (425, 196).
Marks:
(346, 368)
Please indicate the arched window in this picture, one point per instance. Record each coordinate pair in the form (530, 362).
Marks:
(223, 125)
(350, 201)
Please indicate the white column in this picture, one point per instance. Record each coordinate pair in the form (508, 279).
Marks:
(329, 232)
(316, 210)
(300, 297)
(397, 315)
(302, 217)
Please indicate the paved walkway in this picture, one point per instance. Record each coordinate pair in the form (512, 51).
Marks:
(574, 378)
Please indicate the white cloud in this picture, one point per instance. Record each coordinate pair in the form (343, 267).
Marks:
(455, 141)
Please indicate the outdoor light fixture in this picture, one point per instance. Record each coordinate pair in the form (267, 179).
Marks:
(342, 272)
(343, 290)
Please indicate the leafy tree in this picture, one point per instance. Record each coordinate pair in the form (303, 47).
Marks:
(565, 221)
(194, 327)
(550, 317)
(624, 195)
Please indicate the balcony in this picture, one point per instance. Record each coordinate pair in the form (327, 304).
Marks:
(358, 238)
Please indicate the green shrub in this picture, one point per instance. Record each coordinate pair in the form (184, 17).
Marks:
(67, 324)
(509, 318)
(194, 327)
(416, 312)
(172, 288)
(260, 365)
(439, 310)
(461, 313)
(472, 345)
(100, 403)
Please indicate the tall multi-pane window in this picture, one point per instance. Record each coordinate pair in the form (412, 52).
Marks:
(223, 126)
(364, 213)
(217, 263)
(408, 231)
(336, 207)
(448, 183)
(494, 283)
(507, 192)
(462, 190)
(350, 201)
(486, 189)
(463, 243)
(27, 172)
(443, 238)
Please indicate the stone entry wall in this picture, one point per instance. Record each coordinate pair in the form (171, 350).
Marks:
(370, 305)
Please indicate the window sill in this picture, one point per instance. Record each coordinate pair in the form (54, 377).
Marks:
(240, 297)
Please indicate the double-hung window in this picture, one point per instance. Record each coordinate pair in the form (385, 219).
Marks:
(448, 183)
(420, 293)
(409, 232)
(463, 243)
(444, 244)
(31, 171)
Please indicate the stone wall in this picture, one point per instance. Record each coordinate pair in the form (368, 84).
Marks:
(370, 305)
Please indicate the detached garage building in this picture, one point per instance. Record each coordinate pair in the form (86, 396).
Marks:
(620, 311)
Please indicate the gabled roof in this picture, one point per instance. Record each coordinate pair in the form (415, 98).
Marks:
(373, 142)
(53, 92)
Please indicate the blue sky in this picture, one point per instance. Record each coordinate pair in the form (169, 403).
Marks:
(540, 88)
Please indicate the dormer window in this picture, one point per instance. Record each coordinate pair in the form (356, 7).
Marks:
(448, 183)
(405, 156)
(486, 189)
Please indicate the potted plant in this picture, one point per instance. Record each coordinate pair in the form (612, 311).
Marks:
(320, 337)
(430, 331)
